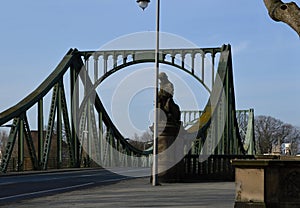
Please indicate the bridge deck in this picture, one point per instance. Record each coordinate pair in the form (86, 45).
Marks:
(139, 193)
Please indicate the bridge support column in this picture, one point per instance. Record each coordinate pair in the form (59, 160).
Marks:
(20, 165)
(169, 168)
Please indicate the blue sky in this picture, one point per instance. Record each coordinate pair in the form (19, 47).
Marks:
(36, 34)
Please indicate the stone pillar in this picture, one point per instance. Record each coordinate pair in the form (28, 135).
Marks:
(169, 169)
(271, 183)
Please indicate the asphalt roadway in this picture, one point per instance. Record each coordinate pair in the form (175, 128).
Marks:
(120, 191)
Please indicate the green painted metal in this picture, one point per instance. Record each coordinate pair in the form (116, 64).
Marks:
(59, 124)
(29, 141)
(50, 126)
(95, 136)
(74, 97)
(67, 129)
(80, 131)
(40, 92)
(40, 132)
(230, 142)
(101, 136)
(245, 123)
(10, 144)
(85, 118)
(249, 143)
(18, 113)
(88, 133)
(20, 164)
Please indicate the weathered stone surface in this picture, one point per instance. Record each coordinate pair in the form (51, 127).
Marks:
(170, 167)
(268, 183)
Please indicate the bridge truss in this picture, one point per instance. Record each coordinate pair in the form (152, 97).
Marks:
(83, 127)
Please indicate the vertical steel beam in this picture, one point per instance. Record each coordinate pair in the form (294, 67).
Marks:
(105, 59)
(96, 68)
(49, 133)
(94, 136)
(115, 59)
(67, 129)
(74, 86)
(10, 144)
(40, 132)
(100, 123)
(203, 63)
(212, 69)
(20, 165)
(193, 62)
(59, 126)
(29, 141)
(182, 59)
(228, 115)
(88, 133)
(252, 148)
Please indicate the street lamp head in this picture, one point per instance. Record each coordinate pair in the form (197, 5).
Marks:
(143, 3)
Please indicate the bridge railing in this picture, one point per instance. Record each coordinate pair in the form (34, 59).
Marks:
(189, 117)
(245, 120)
(215, 167)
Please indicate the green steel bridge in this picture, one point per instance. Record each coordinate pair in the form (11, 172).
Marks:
(81, 133)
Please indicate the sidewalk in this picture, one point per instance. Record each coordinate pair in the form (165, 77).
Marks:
(140, 193)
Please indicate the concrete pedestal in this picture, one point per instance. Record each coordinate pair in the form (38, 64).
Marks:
(271, 183)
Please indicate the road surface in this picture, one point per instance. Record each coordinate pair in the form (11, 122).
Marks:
(14, 188)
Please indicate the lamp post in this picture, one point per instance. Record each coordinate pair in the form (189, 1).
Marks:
(143, 4)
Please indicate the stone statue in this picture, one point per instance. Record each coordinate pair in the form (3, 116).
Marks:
(165, 100)
(169, 168)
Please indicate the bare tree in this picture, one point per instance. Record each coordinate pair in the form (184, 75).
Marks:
(3, 142)
(293, 137)
(266, 128)
(288, 13)
(142, 142)
(146, 136)
(270, 131)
